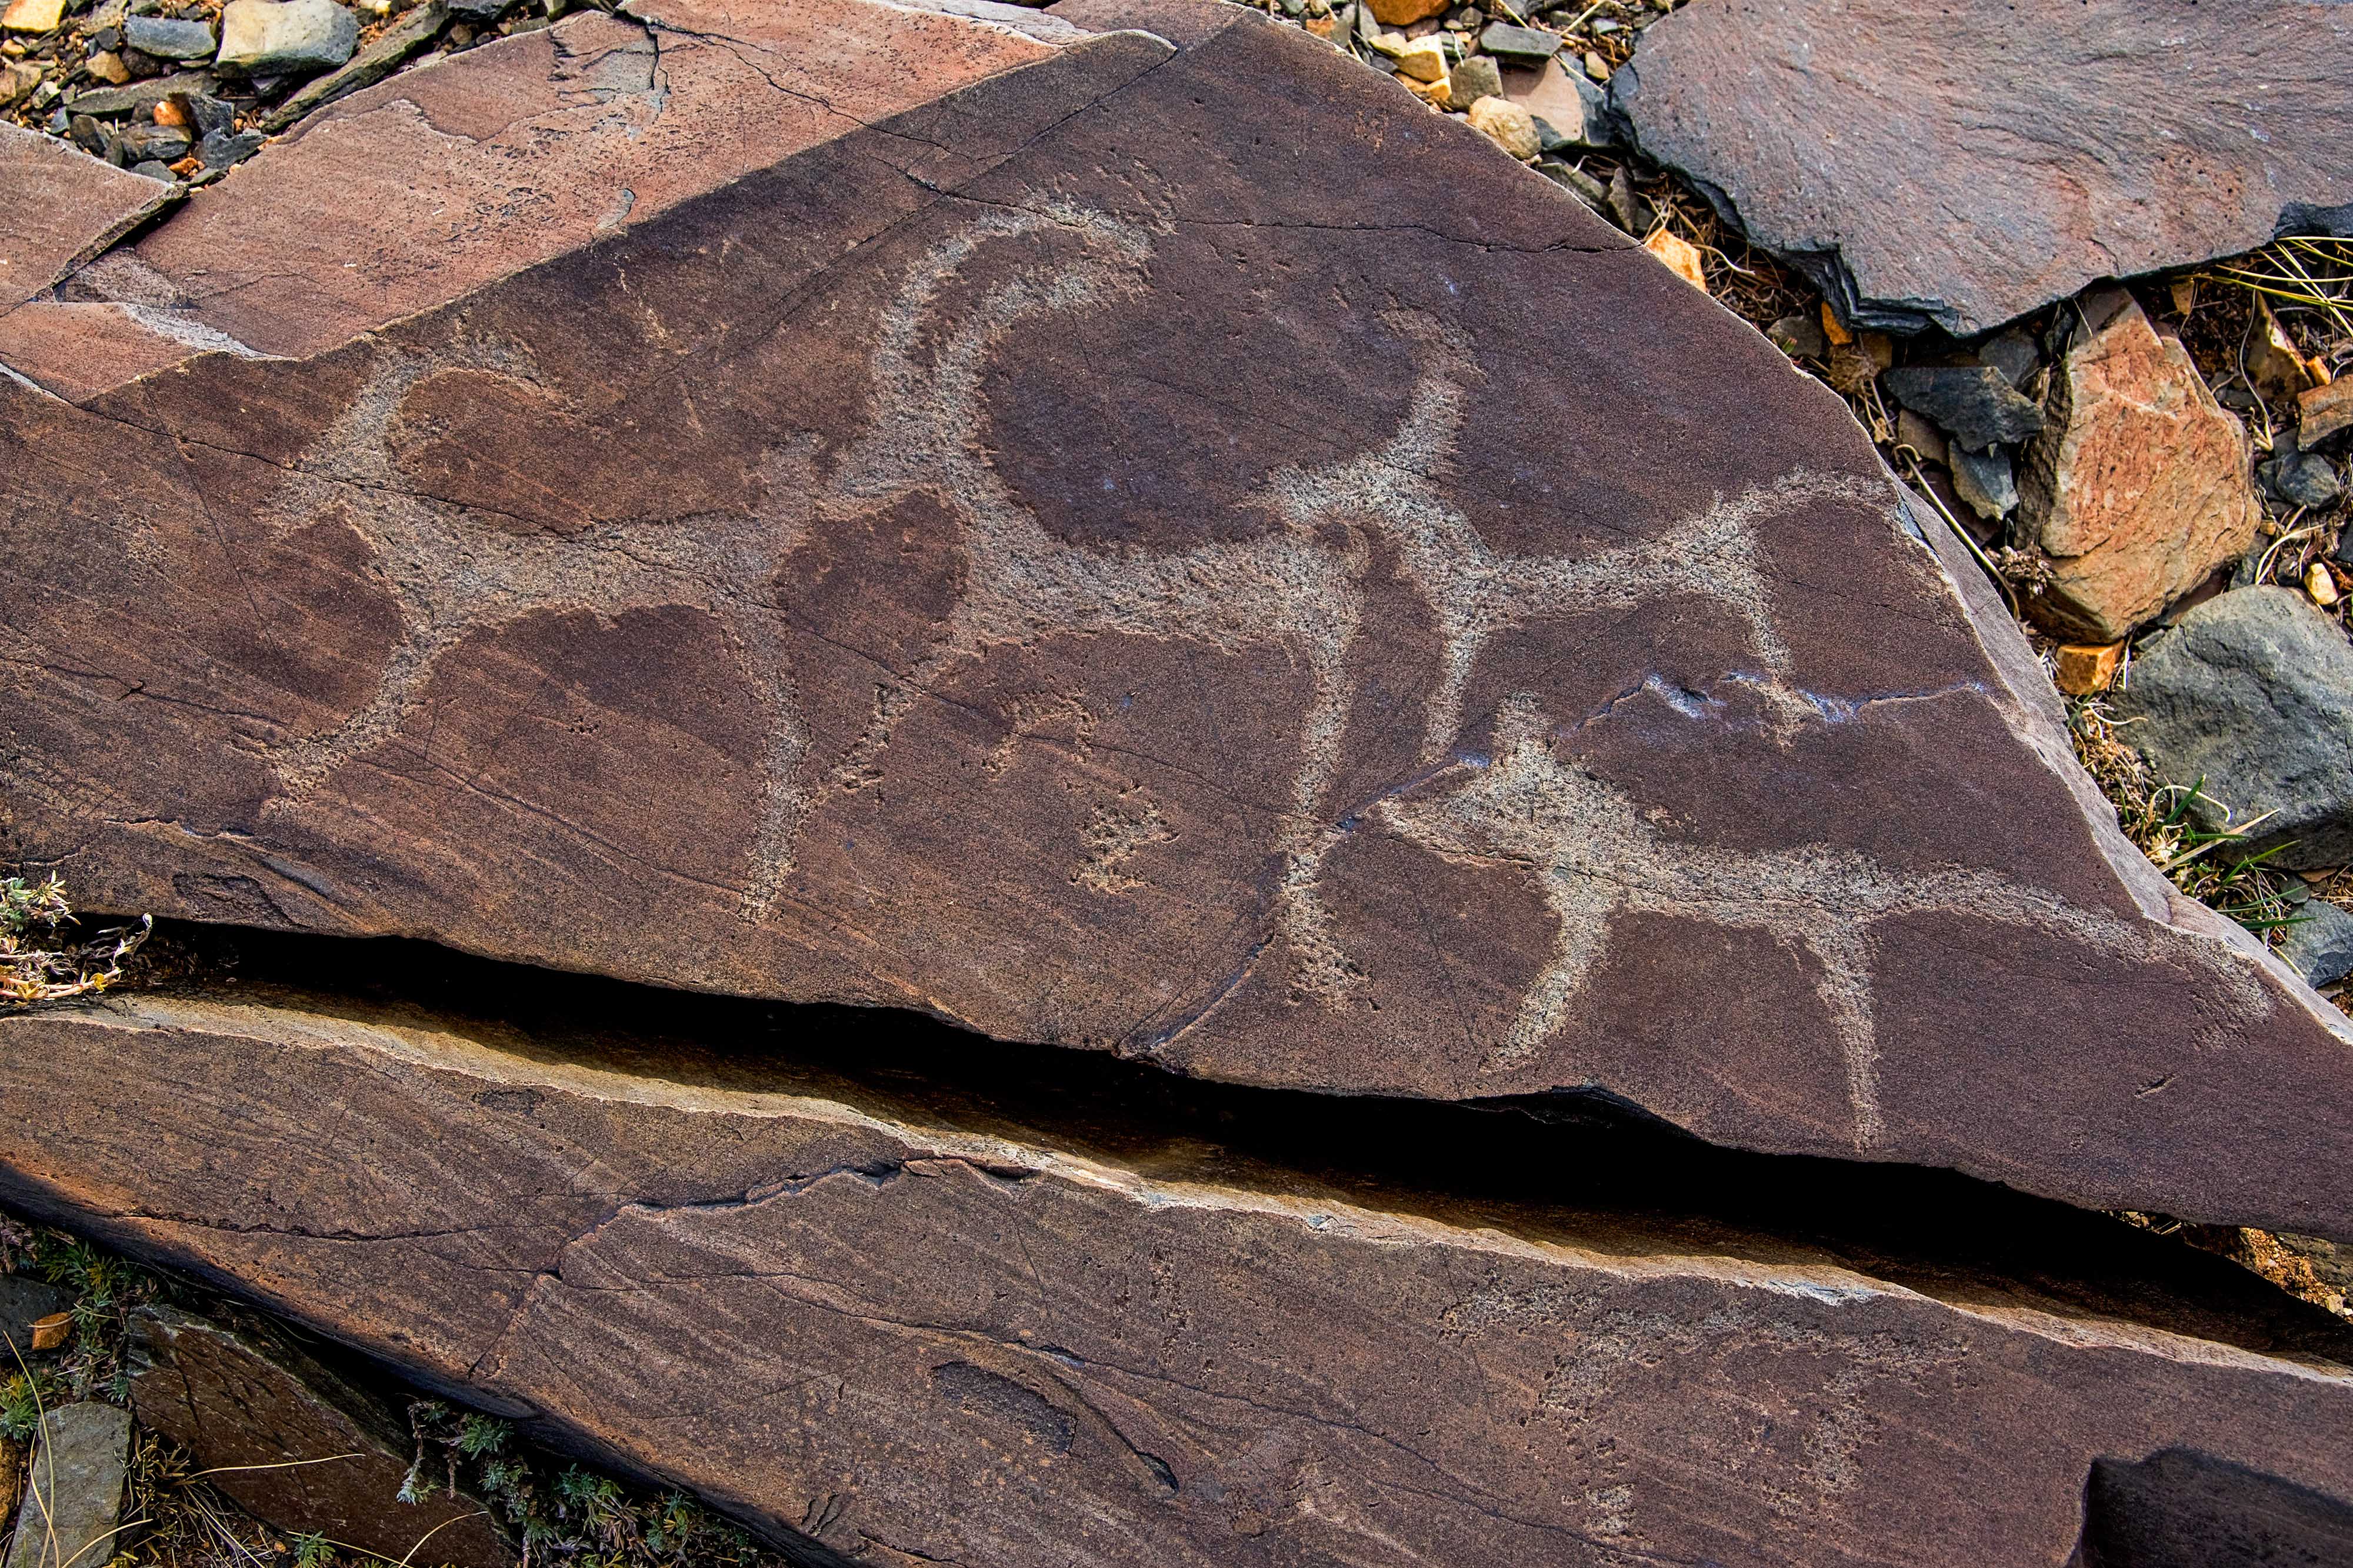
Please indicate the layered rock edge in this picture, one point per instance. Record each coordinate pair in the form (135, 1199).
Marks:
(730, 601)
(892, 1322)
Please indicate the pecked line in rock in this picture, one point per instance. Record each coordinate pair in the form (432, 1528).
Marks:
(1173, 551)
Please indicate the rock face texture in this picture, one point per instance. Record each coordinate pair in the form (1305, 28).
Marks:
(2044, 146)
(294, 1445)
(2247, 693)
(964, 555)
(2136, 489)
(951, 1332)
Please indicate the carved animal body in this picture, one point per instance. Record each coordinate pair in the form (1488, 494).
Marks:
(1291, 588)
(1597, 854)
(452, 572)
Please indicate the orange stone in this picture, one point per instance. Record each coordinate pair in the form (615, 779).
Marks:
(2087, 669)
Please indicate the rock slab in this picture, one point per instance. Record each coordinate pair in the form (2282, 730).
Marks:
(2138, 487)
(2044, 147)
(295, 1445)
(904, 1333)
(76, 1484)
(2249, 693)
(900, 551)
(63, 207)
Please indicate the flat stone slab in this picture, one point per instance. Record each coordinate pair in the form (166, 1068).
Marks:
(915, 1333)
(62, 207)
(295, 1445)
(1191, 606)
(76, 1484)
(1953, 165)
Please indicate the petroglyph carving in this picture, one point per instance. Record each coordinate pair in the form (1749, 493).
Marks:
(1301, 587)
(1597, 854)
(453, 571)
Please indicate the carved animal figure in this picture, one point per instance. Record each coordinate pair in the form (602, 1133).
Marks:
(1292, 588)
(452, 572)
(1597, 854)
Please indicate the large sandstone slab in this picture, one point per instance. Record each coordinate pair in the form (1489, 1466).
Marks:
(947, 1330)
(1130, 555)
(1962, 164)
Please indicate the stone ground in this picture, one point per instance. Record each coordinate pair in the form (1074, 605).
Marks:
(2265, 333)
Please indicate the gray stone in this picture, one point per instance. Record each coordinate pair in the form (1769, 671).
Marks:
(2251, 693)
(2302, 479)
(151, 170)
(1984, 481)
(23, 1303)
(1798, 336)
(141, 96)
(1519, 46)
(167, 39)
(2012, 353)
(1472, 79)
(222, 149)
(395, 49)
(149, 142)
(260, 38)
(2319, 944)
(76, 1483)
(1974, 402)
(1580, 183)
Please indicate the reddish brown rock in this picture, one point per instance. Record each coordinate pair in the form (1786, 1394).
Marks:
(59, 207)
(1962, 164)
(924, 1331)
(2138, 487)
(295, 1445)
(1058, 558)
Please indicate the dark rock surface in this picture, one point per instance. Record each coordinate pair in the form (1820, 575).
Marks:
(2250, 693)
(24, 1301)
(2182, 1509)
(76, 1484)
(2041, 148)
(1976, 405)
(295, 1445)
(932, 1329)
(1182, 605)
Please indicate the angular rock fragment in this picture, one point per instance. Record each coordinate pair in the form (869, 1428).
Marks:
(295, 1445)
(921, 1333)
(76, 1484)
(2319, 941)
(1946, 164)
(2249, 693)
(2138, 488)
(268, 37)
(1976, 403)
(865, 524)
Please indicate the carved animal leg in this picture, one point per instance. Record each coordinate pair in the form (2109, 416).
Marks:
(784, 798)
(1844, 986)
(1319, 965)
(1582, 905)
(303, 767)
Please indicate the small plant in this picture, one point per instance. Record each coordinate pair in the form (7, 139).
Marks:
(37, 965)
(566, 1513)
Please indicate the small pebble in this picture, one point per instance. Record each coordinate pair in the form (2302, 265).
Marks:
(2320, 584)
(1595, 66)
(1473, 79)
(166, 39)
(1800, 337)
(1507, 124)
